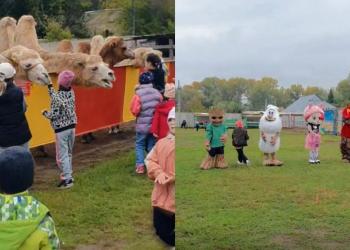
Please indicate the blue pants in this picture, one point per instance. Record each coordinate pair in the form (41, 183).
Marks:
(64, 151)
(144, 142)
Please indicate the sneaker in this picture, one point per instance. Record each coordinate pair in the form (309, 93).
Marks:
(240, 163)
(317, 162)
(140, 169)
(65, 184)
(312, 162)
(247, 163)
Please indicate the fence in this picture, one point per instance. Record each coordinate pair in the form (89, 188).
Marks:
(96, 108)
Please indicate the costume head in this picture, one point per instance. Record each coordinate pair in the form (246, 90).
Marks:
(216, 116)
(171, 121)
(65, 79)
(16, 170)
(314, 114)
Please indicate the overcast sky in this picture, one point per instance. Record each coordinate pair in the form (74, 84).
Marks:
(296, 41)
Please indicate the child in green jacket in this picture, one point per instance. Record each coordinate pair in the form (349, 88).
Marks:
(25, 223)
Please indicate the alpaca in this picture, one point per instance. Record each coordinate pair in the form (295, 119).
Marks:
(65, 46)
(140, 55)
(7, 33)
(25, 34)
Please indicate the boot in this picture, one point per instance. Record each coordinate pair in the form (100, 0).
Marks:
(275, 162)
(220, 161)
(266, 161)
(208, 163)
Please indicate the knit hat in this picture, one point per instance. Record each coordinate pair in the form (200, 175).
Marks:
(239, 124)
(169, 91)
(65, 78)
(311, 109)
(146, 78)
(16, 170)
(171, 114)
(7, 71)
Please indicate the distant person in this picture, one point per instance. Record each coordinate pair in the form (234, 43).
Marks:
(197, 126)
(184, 124)
(14, 129)
(26, 223)
(142, 107)
(239, 141)
(161, 169)
(345, 134)
(63, 121)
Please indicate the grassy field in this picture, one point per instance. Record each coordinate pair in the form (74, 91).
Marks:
(297, 206)
(109, 207)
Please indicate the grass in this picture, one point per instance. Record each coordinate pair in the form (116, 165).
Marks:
(109, 205)
(297, 206)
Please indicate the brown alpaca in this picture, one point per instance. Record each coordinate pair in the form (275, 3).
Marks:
(7, 33)
(89, 70)
(65, 46)
(114, 50)
(25, 34)
(96, 44)
(141, 54)
(28, 64)
(83, 47)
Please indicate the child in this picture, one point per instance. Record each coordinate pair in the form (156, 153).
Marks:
(216, 134)
(345, 134)
(159, 126)
(161, 168)
(25, 223)
(154, 64)
(313, 115)
(63, 121)
(143, 105)
(239, 141)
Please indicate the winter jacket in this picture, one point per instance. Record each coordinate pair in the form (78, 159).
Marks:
(14, 129)
(240, 137)
(162, 160)
(62, 114)
(26, 224)
(160, 119)
(143, 105)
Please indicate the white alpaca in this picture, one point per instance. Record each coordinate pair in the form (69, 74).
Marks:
(270, 127)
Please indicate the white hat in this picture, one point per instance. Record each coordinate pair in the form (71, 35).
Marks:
(171, 114)
(6, 71)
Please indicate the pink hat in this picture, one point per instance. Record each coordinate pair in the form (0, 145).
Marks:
(311, 109)
(65, 78)
(239, 124)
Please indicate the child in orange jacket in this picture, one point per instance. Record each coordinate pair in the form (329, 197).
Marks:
(160, 164)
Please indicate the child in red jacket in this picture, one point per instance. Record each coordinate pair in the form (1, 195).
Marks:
(159, 126)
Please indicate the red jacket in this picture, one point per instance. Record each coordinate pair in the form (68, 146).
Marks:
(160, 119)
(345, 130)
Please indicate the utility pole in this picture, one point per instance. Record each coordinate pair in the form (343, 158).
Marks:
(178, 96)
(133, 17)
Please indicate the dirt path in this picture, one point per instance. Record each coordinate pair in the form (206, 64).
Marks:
(105, 147)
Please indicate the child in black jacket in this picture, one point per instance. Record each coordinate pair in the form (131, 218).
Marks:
(239, 141)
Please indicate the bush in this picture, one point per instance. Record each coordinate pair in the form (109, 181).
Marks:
(55, 32)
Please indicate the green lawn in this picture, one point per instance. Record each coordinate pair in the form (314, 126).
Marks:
(297, 206)
(109, 205)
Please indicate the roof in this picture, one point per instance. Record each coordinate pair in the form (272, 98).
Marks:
(299, 105)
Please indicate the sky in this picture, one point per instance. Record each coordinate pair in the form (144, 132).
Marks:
(296, 41)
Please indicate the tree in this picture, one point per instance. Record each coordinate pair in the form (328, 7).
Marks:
(343, 90)
(330, 98)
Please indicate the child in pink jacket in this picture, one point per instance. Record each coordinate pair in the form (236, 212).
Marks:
(160, 164)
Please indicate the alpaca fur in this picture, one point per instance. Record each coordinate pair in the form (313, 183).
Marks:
(25, 34)
(65, 46)
(140, 55)
(89, 70)
(84, 47)
(270, 128)
(96, 44)
(7, 33)
(114, 50)
(28, 64)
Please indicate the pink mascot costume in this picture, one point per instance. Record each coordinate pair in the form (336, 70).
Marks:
(314, 116)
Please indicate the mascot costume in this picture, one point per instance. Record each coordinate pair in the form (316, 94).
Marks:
(345, 134)
(216, 135)
(314, 116)
(270, 127)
